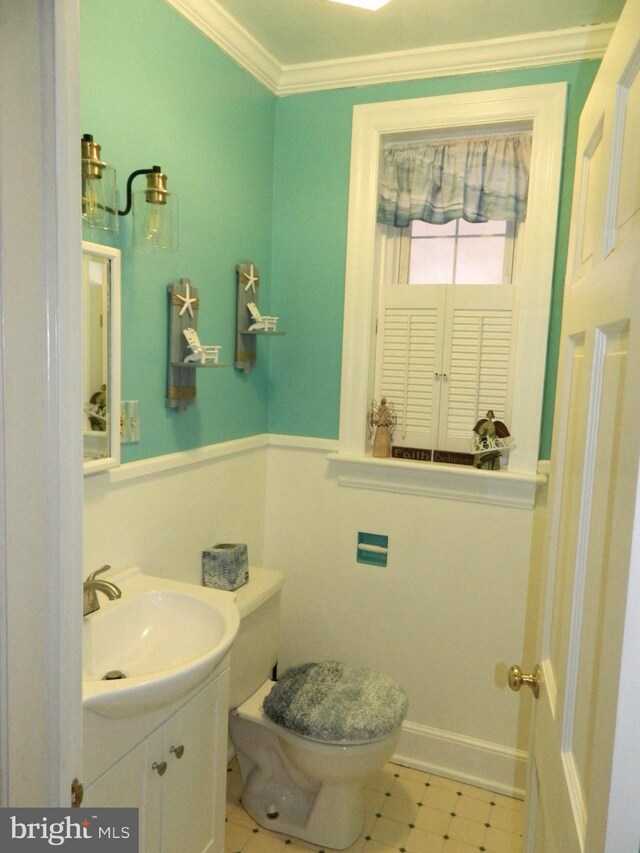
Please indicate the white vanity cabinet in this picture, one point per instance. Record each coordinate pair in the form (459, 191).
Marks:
(182, 807)
(129, 783)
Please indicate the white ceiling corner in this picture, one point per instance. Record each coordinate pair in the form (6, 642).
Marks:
(516, 51)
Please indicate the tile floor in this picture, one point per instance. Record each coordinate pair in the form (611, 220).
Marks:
(407, 811)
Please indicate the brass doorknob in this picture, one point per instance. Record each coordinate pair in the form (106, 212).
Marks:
(517, 678)
(178, 751)
(160, 767)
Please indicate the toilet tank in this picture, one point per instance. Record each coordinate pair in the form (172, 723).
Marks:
(254, 652)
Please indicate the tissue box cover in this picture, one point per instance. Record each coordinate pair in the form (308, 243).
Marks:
(225, 566)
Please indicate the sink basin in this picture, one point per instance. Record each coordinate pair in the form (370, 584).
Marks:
(164, 638)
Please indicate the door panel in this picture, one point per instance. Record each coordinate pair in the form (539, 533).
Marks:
(590, 203)
(609, 367)
(625, 194)
(594, 478)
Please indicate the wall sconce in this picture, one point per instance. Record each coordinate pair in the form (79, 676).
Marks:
(155, 209)
(99, 206)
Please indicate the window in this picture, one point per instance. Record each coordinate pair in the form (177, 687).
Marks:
(459, 252)
(446, 328)
(540, 108)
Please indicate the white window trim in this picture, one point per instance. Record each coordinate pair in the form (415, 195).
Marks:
(544, 107)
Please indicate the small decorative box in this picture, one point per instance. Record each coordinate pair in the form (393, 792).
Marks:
(225, 566)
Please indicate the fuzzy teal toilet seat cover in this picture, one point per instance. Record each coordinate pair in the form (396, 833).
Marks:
(335, 701)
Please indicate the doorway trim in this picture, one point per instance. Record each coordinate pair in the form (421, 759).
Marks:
(40, 401)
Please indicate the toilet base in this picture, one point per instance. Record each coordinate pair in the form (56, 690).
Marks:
(312, 790)
(308, 820)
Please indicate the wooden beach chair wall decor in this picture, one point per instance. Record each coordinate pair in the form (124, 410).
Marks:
(186, 353)
(249, 321)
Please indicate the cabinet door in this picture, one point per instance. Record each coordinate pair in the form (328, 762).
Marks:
(132, 783)
(193, 798)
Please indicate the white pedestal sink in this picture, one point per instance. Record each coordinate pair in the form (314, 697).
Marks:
(165, 637)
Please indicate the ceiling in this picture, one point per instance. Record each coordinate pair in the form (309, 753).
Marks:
(303, 43)
(301, 31)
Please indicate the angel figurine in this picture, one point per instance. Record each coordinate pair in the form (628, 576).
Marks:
(491, 437)
(382, 421)
(489, 431)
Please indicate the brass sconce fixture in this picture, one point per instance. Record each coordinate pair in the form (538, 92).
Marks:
(155, 221)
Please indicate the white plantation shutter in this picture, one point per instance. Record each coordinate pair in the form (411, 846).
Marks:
(479, 371)
(409, 362)
(444, 352)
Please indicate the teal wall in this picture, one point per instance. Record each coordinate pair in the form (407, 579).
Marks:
(313, 139)
(156, 91)
(260, 178)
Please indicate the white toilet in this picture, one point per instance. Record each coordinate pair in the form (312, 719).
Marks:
(330, 726)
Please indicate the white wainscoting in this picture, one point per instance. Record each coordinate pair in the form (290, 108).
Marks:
(161, 513)
(455, 606)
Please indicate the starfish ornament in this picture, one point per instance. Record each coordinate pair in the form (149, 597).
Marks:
(187, 300)
(252, 279)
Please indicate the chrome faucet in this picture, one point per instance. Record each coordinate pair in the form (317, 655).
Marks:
(90, 590)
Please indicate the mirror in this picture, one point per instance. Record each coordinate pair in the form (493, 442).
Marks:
(101, 356)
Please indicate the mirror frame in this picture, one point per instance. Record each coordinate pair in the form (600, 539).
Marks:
(112, 255)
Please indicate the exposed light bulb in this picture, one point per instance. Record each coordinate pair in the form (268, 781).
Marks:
(98, 209)
(154, 223)
(98, 188)
(92, 209)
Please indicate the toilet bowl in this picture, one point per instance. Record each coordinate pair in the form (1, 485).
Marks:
(300, 786)
(306, 743)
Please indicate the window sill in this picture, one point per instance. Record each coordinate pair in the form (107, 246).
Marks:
(432, 479)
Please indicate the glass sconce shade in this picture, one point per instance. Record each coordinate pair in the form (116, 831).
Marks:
(155, 210)
(155, 215)
(99, 205)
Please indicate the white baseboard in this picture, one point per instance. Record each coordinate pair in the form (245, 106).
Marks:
(469, 760)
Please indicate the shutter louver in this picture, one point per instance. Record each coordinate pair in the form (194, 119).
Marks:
(408, 366)
(479, 370)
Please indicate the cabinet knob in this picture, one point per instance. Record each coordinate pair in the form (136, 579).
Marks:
(178, 751)
(160, 766)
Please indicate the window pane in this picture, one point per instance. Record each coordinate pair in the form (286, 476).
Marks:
(491, 227)
(431, 261)
(425, 229)
(480, 260)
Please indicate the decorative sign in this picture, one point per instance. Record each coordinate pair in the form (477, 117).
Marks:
(419, 454)
(423, 454)
(452, 457)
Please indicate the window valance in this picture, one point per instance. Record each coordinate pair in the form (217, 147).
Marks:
(469, 178)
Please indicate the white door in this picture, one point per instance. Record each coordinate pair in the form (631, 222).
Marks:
(585, 761)
(40, 404)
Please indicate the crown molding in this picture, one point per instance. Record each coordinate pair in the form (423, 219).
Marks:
(525, 51)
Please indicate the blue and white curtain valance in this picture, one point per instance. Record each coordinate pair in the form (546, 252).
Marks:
(437, 181)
